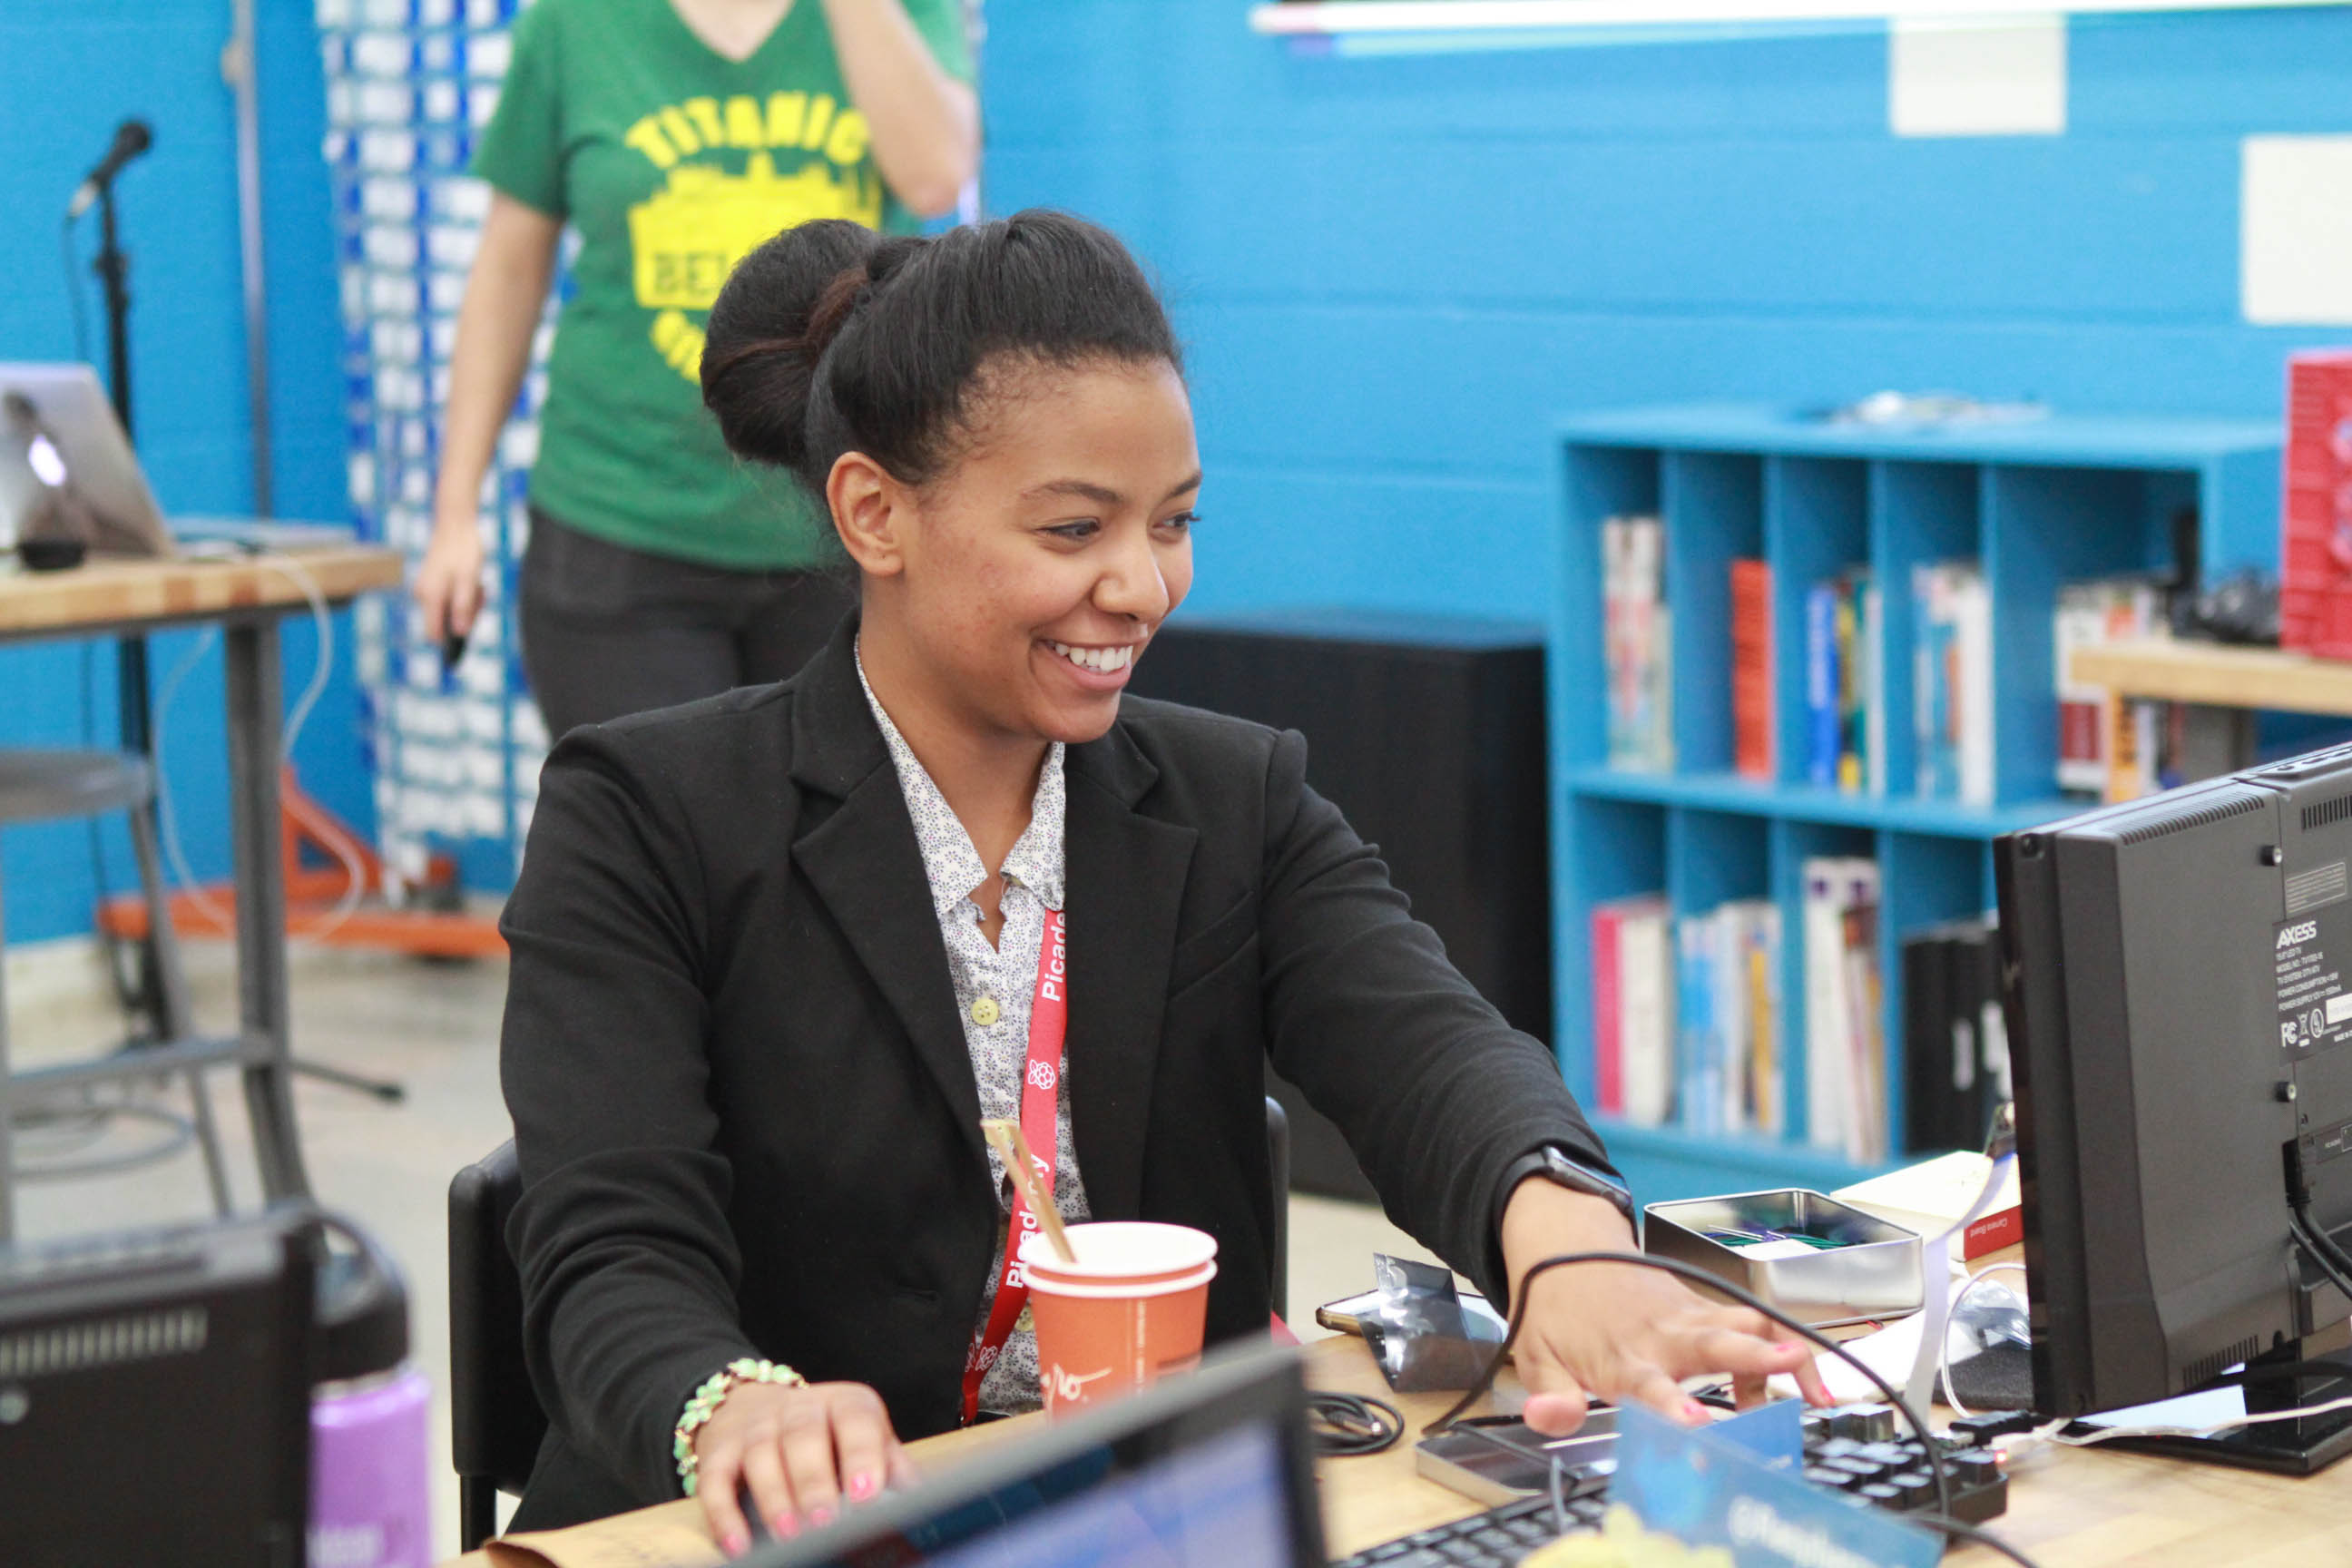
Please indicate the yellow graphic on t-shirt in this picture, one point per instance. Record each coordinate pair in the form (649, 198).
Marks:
(688, 236)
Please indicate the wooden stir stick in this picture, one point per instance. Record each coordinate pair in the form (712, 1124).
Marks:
(1003, 1135)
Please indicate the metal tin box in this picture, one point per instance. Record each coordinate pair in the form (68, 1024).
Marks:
(1870, 1274)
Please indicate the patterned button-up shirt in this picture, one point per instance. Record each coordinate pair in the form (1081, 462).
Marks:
(999, 984)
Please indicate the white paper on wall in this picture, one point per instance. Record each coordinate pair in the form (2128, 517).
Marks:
(408, 84)
(1957, 77)
(2295, 232)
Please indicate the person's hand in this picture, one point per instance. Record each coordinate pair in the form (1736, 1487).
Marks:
(799, 1451)
(1624, 1333)
(448, 586)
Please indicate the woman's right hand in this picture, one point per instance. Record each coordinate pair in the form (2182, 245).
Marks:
(448, 586)
(799, 1451)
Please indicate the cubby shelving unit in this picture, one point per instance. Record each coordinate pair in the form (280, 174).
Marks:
(2039, 503)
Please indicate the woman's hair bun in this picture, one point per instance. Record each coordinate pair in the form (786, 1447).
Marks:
(831, 338)
(769, 326)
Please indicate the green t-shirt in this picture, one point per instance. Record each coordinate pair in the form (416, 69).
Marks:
(672, 162)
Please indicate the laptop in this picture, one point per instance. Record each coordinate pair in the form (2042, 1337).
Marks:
(1212, 1469)
(67, 473)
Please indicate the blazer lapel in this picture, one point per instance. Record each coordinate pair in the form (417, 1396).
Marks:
(862, 862)
(1125, 874)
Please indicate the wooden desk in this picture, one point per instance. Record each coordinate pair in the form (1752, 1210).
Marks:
(247, 598)
(2217, 676)
(2068, 1508)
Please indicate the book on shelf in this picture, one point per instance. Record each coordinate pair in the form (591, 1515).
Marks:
(1751, 668)
(1952, 676)
(2093, 614)
(1636, 634)
(1955, 1044)
(1846, 699)
(1845, 1046)
(1634, 1011)
(1728, 1064)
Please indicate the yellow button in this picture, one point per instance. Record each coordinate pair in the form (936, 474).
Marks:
(985, 1011)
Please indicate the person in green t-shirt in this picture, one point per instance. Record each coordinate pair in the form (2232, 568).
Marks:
(674, 136)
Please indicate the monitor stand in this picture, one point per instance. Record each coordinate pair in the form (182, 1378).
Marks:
(2299, 1447)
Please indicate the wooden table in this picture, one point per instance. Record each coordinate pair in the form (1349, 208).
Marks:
(246, 596)
(2068, 1508)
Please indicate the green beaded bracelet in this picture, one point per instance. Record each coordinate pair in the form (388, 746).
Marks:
(706, 1399)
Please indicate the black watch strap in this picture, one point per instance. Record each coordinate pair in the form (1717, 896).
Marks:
(1552, 1164)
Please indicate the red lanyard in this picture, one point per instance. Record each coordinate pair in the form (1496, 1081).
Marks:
(1041, 1129)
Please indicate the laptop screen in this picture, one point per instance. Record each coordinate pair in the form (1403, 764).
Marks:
(1210, 1470)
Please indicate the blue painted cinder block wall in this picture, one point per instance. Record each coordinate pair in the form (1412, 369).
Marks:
(1394, 273)
(68, 73)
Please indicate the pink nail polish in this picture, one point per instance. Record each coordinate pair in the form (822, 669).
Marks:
(788, 1525)
(861, 1487)
(1694, 1410)
(820, 1517)
(734, 1543)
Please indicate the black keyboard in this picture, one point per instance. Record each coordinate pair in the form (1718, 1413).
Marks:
(1853, 1451)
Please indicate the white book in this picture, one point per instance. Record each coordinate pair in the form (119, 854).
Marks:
(1865, 1108)
(1827, 1055)
(1646, 1018)
(1727, 1041)
(1873, 644)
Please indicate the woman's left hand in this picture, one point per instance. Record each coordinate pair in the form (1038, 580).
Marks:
(1621, 1333)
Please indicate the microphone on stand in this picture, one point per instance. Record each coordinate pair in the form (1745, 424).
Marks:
(130, 139)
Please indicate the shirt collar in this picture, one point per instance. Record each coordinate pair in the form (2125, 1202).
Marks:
(951, 864)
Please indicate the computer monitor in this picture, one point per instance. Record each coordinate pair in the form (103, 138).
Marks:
(2178, 980)
(154, 1396)
(1210, 1469)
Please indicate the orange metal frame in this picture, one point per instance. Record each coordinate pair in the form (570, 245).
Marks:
(315, 894)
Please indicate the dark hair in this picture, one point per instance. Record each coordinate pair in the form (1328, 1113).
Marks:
(831, 338)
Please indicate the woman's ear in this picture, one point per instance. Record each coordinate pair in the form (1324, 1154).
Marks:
(871, 512)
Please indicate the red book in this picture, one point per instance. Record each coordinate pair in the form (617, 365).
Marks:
(1608, 1016)
(1751, 668)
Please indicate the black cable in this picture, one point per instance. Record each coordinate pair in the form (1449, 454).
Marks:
(2327, 1243)
(1354, 1424)
(2320, 1247)
(1940, 1520)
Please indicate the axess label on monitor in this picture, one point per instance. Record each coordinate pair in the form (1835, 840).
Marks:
(2315, 1004)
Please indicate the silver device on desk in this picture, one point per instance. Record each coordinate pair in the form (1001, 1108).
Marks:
(1817, 1259)
(66, 471)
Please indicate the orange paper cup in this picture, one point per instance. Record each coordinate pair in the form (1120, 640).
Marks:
(1130, 1309)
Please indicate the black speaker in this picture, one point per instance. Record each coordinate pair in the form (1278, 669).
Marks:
(1428, 733)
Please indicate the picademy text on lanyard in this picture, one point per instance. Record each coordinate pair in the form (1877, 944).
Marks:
(1041, 1080)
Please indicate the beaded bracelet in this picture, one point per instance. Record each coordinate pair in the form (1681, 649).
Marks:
(706, 1400)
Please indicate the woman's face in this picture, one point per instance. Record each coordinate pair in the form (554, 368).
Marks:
(1041, 563)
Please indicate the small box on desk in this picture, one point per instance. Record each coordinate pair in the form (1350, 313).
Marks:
(1428, 733)
(1812, 1257)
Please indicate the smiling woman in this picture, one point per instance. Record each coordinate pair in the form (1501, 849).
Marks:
(775, 953)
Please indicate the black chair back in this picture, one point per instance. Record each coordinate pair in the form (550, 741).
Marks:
(493, 1410)
(495, 1417)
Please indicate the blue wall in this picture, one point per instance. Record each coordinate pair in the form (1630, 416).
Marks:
(67, 75)
(1393, 273)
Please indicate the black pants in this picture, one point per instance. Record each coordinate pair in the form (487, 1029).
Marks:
(608, 630)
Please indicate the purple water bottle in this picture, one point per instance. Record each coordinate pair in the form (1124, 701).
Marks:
(370, 1410)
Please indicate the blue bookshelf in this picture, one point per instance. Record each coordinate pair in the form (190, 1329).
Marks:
(2039, 504)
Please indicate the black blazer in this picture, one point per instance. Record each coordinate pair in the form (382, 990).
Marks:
(746, 1114)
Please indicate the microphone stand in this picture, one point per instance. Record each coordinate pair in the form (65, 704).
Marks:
(137, 720)
(135, 716)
